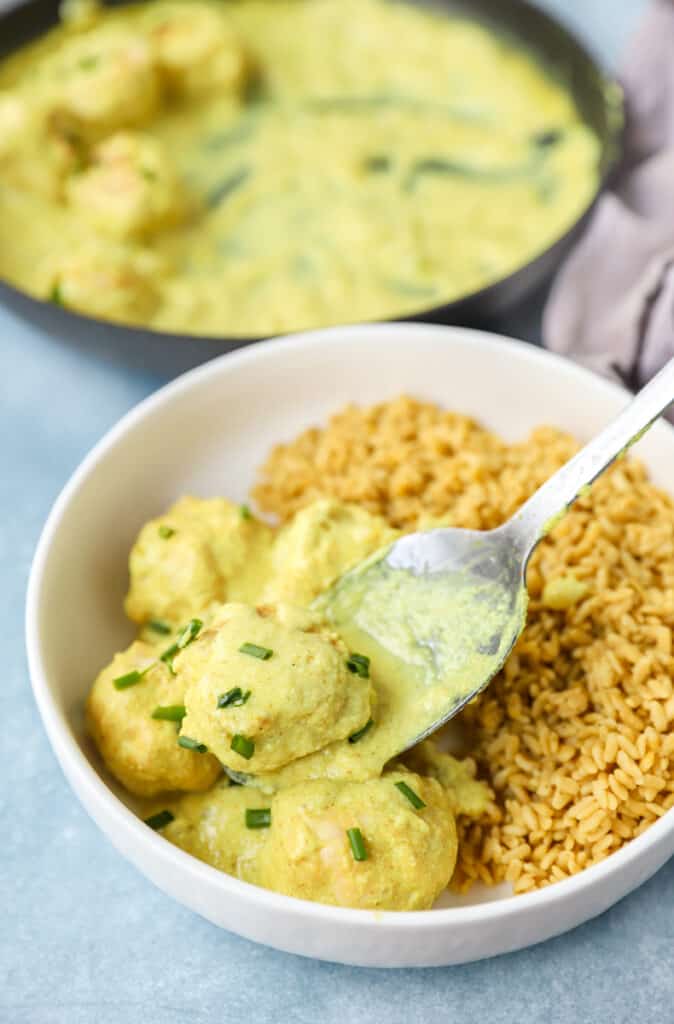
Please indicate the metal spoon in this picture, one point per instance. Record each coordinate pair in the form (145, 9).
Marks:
(448, 605)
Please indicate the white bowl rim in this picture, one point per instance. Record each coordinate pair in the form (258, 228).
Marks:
(69, 753)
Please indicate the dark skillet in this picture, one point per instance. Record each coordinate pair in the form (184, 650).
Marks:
(597, 95)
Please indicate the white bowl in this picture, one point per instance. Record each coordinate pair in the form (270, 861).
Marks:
(206, 433)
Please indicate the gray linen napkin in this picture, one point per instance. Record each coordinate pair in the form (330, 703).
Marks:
(611, 306)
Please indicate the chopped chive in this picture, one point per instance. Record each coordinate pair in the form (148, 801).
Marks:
(357, 843)
(410, 289)
(190, 633)
(263, 653)
(88, 63)
(56, 295)
(226, 187)
(258, 817)
(222, 140)
(189, 744)
(544, 139)
(359, 664)
(169, 712)
(157, 626)
(355, 736)
(130, 679)
(413, 797)
(148, 174)
(242, 745)
(377, 164)
(160, 820)
(245, 512)
(168, 656)
(234, 698)
(166, 531)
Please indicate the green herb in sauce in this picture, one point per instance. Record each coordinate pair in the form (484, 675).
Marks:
(357, 844)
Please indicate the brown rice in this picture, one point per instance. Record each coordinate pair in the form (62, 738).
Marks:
(574, 735)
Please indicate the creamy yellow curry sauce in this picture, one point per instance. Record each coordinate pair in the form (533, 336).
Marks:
(255, 166)
(236, 667)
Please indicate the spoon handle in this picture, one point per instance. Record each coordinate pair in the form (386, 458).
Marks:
(547, 506)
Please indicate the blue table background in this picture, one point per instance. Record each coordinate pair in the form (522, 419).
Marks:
(84, 939)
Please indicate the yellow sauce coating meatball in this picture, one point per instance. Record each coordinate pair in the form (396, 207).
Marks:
(141, 751)
(467, 795)
(294, 693)
(129, 190)
(196, 49)
(201, 551)
(320, 543)
(212, 826)
(410, 853)
(105, 279)
(101, 81)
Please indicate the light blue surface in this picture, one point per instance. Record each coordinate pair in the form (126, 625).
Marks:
(84, 939)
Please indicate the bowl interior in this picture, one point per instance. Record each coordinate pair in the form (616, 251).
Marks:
(208, 432)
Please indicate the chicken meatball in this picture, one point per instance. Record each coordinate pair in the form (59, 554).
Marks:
(266, 686)
(196, 49)
(34, 157)
(410, 851)
(212, 826)
(129, 189)
(201, 551)
(320, 543)
(107, 280)
(104, 80)
(140, 750)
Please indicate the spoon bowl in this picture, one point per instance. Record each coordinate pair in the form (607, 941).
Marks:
(447, 605)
